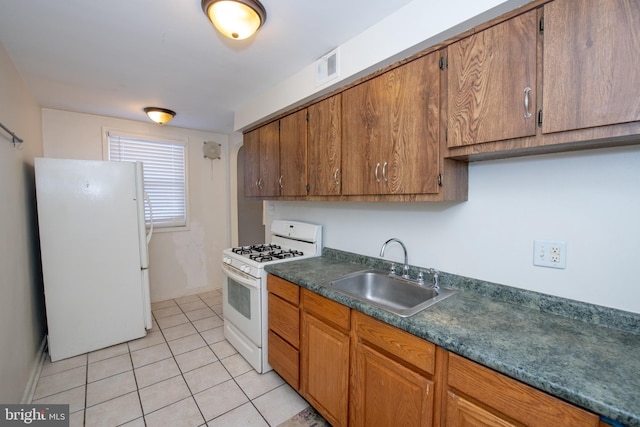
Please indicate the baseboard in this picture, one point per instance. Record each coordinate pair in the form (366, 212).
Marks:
(184, 293)
(27, 397)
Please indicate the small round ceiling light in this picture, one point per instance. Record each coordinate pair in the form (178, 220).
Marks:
(160, 115)
(236, 19)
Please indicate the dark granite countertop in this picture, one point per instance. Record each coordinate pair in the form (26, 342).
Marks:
(593, 364)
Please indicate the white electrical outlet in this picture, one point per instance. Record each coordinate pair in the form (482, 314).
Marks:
(549, 253)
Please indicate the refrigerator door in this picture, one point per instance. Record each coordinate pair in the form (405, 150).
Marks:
(143, 240)
(88, 220)
(146, 299)
(140, 204)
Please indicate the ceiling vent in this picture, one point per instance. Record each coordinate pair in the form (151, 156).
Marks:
(328, 67)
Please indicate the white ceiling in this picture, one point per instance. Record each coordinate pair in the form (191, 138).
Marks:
(116, 57)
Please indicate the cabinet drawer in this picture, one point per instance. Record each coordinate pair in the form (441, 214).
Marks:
(403, 345)
(513, 398)
(326, 309)
(284, 359)
(284, 289)
(284, 319)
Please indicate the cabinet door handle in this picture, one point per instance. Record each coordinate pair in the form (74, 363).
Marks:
(259, 183)
(335, 176)
(527, 113)
(376, 172)
(384, 172)
(280, 181)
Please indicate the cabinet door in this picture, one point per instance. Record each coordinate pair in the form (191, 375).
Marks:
(390, 131)
(324, 143)
(251, 144)
(462, 413)
(293, 154)
(325, 369)
(591, 63)
(506, 399)
(488, 76)
(270, 159)
(387, 393)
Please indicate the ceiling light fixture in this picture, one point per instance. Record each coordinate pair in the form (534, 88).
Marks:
(236, 19)
(160, 115)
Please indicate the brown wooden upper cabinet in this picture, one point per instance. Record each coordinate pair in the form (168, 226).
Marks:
(591, 63)
(562, 75)
(293, 154)
(390, 128)
(492, 83)
(261, 161)
(324, 141)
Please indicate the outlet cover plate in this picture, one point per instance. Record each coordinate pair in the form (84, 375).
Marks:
(550, 253)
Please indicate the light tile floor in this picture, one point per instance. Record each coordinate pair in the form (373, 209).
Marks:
(183, 373)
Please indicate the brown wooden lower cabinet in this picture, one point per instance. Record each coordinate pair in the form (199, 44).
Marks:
(325, 357)
(284, 329)
(284, 359)
(478, 396)
(358, 371)
(387, 388)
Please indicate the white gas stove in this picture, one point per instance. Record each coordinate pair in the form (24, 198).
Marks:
(245, 282)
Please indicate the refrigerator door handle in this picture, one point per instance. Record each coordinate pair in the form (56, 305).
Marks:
(150, 233)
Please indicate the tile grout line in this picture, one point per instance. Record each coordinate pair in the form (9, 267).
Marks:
(207, 345)
(249, 400)
(180, 369)
(133, 368)
(86, 390)
(234, 380)
(191, 394)
(135, 379)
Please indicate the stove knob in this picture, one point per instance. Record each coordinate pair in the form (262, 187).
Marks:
(246, 268)
(226, 260)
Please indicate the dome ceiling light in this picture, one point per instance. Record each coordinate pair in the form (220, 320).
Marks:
(160, 115)
(236, 19)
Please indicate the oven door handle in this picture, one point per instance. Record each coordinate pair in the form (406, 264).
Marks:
(241, 277)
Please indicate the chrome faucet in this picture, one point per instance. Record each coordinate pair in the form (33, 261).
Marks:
(405, 269)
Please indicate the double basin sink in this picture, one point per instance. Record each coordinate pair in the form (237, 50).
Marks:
(391, 293)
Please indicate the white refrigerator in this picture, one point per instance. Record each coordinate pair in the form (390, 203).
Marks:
(93, 244)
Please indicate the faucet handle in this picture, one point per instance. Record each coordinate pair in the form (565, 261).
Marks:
(405, 271)
(434, 273)
(393, 268)
(421, 278)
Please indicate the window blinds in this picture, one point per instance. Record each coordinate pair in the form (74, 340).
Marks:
(164, 175)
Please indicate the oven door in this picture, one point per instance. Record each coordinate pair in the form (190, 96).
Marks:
(241, 302)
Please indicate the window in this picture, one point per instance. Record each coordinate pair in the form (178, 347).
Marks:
(164, 174)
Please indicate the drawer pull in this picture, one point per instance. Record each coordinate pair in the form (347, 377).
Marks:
(527, 113)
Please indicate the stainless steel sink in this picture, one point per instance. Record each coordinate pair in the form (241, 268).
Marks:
(394, 294)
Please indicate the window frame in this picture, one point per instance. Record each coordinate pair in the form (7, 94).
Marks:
(160, 139)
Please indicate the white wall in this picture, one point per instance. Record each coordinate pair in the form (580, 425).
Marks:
(21, 301)
(589, 199)
(181, 262)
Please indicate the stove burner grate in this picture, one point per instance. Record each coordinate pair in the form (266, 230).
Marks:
(256, 249)
(275, 254)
